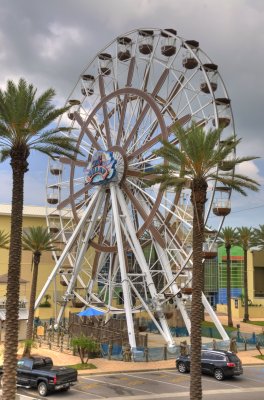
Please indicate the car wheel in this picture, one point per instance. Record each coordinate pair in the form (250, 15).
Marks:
(218, 374)
(1, 382)
(42, 389)
(182, 367)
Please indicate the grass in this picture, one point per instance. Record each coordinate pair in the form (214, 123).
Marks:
(259, 323)
(209, 324)
(82, 366)
(260, 357)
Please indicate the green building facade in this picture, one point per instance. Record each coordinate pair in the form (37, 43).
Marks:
(215, 280)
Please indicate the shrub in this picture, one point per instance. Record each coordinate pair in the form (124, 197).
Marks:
(85, 346)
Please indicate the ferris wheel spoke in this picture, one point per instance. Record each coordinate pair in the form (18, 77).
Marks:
(141, 117)
(125, 101)
(176, 88)
(83, 126)
(144, 88)
(143, 214)
(106, 119)
(138, 174)
(163, 226)
(73, 197)
(150, 143)
(77, 163)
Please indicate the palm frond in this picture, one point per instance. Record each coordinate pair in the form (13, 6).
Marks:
(38, 239)
(4, 154)
(4, 240)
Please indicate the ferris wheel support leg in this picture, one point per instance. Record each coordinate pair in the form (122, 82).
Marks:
(83, 249)
(214, 318)
(121, 256)
(112, 271)
(67, 248)
(174, 287)
(144, 267)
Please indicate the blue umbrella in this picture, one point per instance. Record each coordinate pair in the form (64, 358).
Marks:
(90, 312)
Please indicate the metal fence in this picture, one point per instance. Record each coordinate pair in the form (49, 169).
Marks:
(61, 341)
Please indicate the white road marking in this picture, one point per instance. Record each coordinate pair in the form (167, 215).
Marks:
(210, 380)
(156, 380)
(116, 384)
(82, 391)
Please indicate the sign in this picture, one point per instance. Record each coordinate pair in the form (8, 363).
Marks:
(102, 169)
(40, 330)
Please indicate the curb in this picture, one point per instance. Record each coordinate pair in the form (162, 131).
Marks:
(86, 372)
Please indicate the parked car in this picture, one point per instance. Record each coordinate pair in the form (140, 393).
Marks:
(39, 372)
(219, 363)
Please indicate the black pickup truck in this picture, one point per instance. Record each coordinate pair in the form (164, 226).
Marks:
(39, 372)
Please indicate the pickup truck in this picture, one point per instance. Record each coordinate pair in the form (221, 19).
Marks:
(39, 372)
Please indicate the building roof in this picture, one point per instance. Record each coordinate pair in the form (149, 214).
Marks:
(34, 211)
(3, 279)
(23, 314)
(29, 211)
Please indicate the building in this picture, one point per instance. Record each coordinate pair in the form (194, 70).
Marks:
(237, 273)
(23, 312)
(255, 267)
(32, 216)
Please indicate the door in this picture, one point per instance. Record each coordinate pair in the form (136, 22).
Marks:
(207, 362)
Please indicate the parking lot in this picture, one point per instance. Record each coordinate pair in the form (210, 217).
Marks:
(161, 385)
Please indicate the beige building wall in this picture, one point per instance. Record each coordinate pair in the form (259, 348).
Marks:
(256, 277)
(33, 216)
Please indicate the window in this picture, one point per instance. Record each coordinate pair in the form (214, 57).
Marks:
(206, 356)
(219, 357)
(39, 363)
(259, 281)
(233, 358)
(25, 364)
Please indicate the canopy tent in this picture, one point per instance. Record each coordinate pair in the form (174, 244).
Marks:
(90, 312)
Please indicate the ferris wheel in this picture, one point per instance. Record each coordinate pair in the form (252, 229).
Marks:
(127, 247)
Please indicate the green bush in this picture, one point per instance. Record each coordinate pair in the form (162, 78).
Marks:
(45, 304)
(85, 347)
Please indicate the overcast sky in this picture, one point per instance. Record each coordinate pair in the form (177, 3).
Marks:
(50, 42)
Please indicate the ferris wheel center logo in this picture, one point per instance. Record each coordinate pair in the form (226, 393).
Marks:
(102, 168)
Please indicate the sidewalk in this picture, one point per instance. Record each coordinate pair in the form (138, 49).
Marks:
(111, 366)
(246, 328)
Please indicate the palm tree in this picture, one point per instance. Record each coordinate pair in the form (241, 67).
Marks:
(36, 239)
(24, 126)
(4, 240)
(193, 163)
(258, 237)
(228, 235)
(245, 240)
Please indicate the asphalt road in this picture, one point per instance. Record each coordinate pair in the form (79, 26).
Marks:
(159, 385)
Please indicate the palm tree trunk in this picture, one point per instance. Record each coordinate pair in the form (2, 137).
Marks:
(246, 314)
(198, 199)
(19, 167)
(228, 285)
(31, 310)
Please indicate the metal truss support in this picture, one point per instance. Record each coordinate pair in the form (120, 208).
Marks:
(68, 246)
(122, 264)
(82, 251)
(145, 269)
(164, 260)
